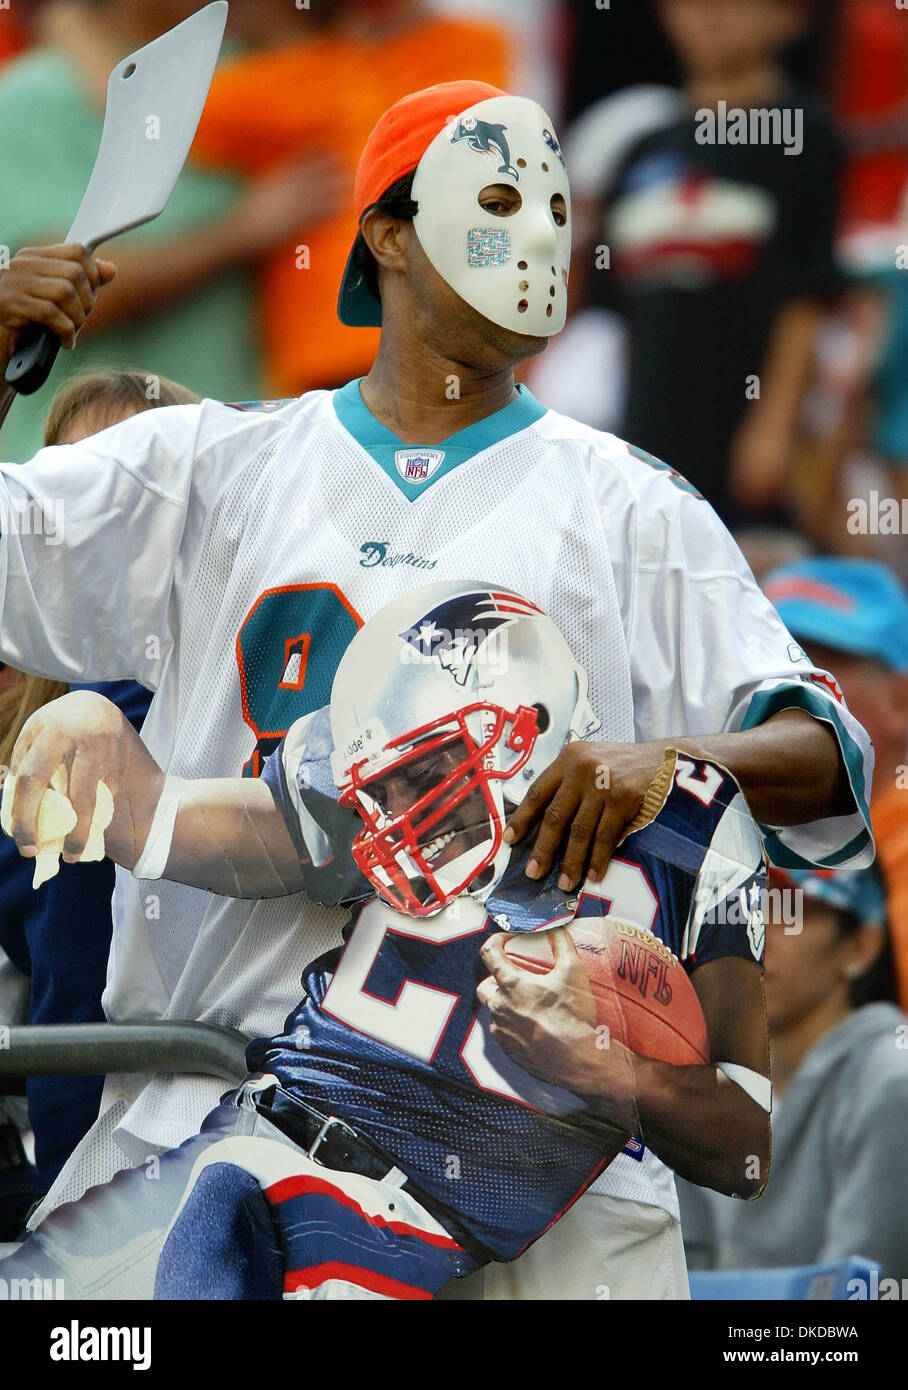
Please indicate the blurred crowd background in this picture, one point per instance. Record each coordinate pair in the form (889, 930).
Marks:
(737, 309)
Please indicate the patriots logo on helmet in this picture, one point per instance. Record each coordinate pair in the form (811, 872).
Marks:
(553, 144)
(453, 632)
(486, 137)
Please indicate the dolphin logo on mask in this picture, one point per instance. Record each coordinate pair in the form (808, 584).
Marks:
(485, 137)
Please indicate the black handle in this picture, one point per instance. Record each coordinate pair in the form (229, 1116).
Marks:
(34, 354)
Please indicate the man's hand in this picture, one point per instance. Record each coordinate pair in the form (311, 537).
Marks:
(592, 790)
(95, 742)
(705, 1127)
(546, 1023)
(54, 286)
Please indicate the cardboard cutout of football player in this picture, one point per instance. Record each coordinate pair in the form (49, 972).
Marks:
(420, 1116)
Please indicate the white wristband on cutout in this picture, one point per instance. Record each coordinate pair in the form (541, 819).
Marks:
(152, 862)
(758, 1087)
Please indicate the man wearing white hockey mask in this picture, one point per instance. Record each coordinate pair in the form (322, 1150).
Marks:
(462, 259)
(489, 202)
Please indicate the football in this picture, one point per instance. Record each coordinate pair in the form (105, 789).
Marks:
(643, 993)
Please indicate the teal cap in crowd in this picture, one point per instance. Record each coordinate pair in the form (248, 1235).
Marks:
(855, 606)
(859, 891)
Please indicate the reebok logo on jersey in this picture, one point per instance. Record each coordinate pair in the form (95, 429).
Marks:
(418, 465)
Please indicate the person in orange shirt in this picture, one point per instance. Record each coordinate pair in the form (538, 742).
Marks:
(323, 94)
(852, 616)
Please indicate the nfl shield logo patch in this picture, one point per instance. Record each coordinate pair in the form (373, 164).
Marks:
(418, 465)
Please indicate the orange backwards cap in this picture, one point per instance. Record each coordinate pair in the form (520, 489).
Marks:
(396, 145)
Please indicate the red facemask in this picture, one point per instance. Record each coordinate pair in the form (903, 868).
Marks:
(445, 754)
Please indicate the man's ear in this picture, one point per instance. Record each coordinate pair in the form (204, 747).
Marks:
(384, 237)
(863, 947)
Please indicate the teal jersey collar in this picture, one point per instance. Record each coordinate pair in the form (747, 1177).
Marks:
(426, 465)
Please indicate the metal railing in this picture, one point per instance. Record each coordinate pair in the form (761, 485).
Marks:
(88, 1049)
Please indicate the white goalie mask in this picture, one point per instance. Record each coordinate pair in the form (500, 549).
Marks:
(445, 706)
(512, 269)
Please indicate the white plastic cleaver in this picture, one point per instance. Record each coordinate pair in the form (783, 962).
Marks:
(155, 98)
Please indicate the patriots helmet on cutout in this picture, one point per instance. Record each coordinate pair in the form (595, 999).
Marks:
(440, 700)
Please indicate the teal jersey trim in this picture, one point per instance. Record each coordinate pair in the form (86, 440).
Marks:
(672, 473)
(769, 702)
(382, 445)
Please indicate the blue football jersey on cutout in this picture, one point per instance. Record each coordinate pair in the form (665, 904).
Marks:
(390, 1036)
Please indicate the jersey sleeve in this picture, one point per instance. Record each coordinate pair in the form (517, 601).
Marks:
(726, 917)
(99, 541)
(709, 653)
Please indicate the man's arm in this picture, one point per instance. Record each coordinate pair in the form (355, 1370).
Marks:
(228, 835)
(230, 838)
(789, 769)
(710, 658)
(701, 1124)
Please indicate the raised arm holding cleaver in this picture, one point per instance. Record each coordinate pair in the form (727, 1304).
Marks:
(213, 234)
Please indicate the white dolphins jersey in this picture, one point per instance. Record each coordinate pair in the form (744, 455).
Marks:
(225, 558)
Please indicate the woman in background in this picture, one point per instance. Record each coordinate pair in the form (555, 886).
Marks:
(837, 1186)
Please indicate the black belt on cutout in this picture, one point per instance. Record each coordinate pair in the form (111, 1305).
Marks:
(335, 1144)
